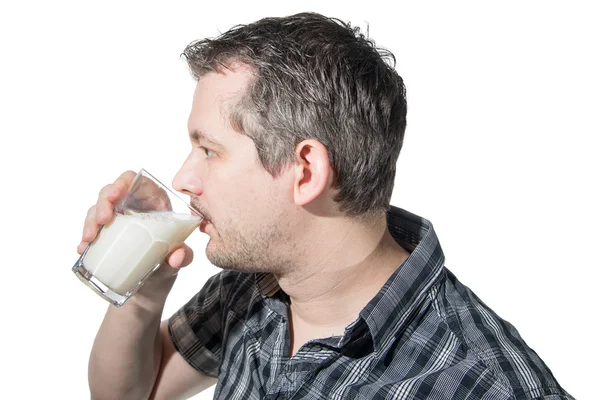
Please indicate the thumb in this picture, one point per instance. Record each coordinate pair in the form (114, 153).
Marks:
(182, 257)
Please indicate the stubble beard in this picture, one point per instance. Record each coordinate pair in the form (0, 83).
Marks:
(257, 251)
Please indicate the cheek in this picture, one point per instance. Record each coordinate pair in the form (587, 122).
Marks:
(243, 191)
(246, 182)
(251, 198)
(231, 198)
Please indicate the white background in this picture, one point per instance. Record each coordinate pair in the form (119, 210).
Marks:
(500, 154)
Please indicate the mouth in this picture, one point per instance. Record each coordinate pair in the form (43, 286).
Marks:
(203, 225)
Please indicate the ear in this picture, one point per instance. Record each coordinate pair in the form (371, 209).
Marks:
(312, 172)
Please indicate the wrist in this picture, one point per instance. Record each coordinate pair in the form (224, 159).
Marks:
(151, 297)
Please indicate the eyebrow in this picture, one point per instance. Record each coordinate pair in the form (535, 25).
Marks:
(197, 135)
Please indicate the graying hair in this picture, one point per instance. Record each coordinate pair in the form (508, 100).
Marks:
(316, 78)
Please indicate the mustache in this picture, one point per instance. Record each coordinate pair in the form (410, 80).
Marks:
(200, 209)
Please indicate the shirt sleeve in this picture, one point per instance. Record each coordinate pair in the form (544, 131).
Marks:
(196, 329)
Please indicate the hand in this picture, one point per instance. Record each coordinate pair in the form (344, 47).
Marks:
(103, 212)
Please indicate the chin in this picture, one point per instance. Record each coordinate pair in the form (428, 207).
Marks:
(215, 256)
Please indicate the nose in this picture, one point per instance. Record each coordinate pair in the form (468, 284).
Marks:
(187, 180)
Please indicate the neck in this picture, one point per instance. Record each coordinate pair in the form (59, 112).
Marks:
(340, 273)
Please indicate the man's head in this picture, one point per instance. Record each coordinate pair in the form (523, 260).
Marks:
(316, 77)
(309, 114)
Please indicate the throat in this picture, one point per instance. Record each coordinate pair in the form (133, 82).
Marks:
(301, 333)
(326, 313)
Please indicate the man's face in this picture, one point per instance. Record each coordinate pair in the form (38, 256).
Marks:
(245, 207)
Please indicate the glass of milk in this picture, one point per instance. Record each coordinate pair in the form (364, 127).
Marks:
(150, 222)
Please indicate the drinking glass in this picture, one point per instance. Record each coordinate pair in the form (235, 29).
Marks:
(149, 223)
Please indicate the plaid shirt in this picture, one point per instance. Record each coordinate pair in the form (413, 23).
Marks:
(424, 335)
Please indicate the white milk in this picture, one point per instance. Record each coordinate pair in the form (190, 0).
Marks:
(130, 246)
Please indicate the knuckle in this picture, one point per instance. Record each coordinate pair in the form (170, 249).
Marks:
(125, 177)
(91, 216)
(105, 190)
(105, 208)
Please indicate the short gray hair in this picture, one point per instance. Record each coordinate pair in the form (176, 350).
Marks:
(316, 78)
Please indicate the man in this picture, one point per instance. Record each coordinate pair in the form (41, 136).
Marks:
(327, 291)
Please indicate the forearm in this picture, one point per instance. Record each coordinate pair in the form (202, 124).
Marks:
(127, 350)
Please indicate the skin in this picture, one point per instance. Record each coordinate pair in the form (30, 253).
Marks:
(329, 264)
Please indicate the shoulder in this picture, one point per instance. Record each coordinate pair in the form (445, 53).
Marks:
(493, 342)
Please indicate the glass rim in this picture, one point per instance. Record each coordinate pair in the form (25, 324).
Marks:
(143, 170)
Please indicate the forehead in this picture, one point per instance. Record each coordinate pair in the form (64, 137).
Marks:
(215, 95)
(217, 91)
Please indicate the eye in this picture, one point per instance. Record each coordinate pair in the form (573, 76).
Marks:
(207, 152)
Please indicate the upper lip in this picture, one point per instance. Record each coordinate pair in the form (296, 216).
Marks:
(194, 205)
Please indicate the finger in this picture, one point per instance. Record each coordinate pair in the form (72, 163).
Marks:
(106, 191)
(181, 257)
(115, 191)
(105, 205)
(121, 185)
(105, 211)
(90, 226)
(82, 246)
